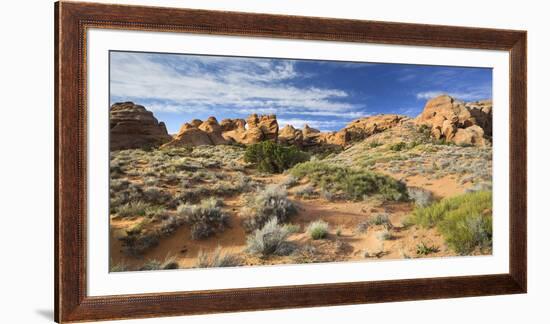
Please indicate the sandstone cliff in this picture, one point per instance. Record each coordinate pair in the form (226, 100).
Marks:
(133, 126)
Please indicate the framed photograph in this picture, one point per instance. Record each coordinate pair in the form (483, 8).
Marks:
(212, 161)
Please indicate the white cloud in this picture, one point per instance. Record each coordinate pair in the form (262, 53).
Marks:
(468, 95)
(189, 83)
(323, 125)
(410, 111)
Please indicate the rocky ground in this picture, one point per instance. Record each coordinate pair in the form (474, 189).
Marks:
(192, 200)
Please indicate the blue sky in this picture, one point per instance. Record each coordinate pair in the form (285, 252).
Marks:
(323, 94)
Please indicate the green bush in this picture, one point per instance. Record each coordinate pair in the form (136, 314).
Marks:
(318, 229)
(465, 221)
(398, 146)
(374, 144)
(355, 184)
(423, 249)
(270, 157)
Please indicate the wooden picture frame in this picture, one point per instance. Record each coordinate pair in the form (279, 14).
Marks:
(72, 20)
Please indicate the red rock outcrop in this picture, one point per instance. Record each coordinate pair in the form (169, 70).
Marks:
(340, 138)
(132, 126)
(213, 130)
(228, 124)
(308, 137)
(199, 132)
(255, 129)
(291, 136)
(362, 128)
(261, 128)
(456, 121)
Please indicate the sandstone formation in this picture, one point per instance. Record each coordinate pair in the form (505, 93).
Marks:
(213, 130)
(132, 126)
(447, 118)
(458, 122)
(355, 131)
(261, 128)
(198, 132)
(362, 128)
(255, 129)
(291, 136)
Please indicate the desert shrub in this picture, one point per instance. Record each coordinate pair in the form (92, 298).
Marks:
(420, 196)
(423, 249)
(465, 221)
(217, 259)
(396, 147)
(242, 183)
(132, 192)
(290, 181)
(135, 243)
(466, 232)
(413, 144)
(306, 191)
(355, 184)
(481, 186)
(384, 235)
(115, 170)
(266, 204)
(118, 267)
(154, 195)
(327, 194)
(292, 228)
(424, 130)
(132, 209)
(374, 144)
(138, 227)
(223, 188)
(318, 229)
(273, 158)
(169, 263)
(205, 219)
(151, 181)
(171, 224)
(381, 219)
(305, 254)
(118, 184)
(151, 265)
(269, 240)
(362, 227)
(156, 212)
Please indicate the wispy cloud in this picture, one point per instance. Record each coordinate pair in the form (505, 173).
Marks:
(324, 94)
(191, 83)
(323, 125)
(466, 96)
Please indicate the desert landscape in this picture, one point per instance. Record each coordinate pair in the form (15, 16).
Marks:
(244, 192)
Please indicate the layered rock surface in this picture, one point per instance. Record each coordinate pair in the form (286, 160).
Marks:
(132, 126)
